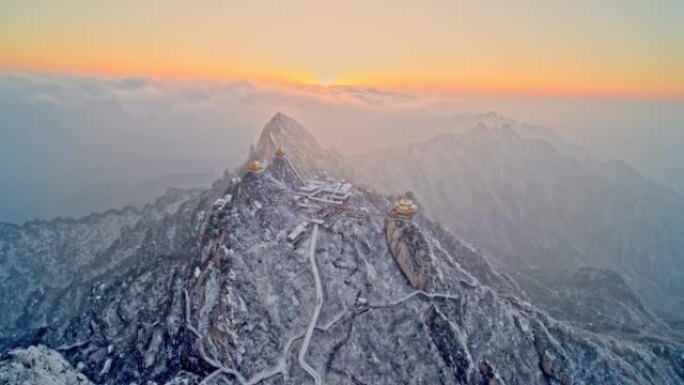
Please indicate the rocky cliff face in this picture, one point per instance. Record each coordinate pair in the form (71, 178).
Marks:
(38, 365)
(212, 292)
(411, 250)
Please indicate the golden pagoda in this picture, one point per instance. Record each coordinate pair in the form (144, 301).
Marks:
(255, 166)
(405, 207)
(280, 151)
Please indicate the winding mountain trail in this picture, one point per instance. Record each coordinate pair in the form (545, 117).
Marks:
(220, 368)
(317, 310)
(413, 294)
(333, 321)
(279, 368)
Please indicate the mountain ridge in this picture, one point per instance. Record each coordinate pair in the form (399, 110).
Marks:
(213, 292)
(523, 201)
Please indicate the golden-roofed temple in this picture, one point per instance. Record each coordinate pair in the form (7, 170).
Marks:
(280, 151)
(405, 207)
(255, 166)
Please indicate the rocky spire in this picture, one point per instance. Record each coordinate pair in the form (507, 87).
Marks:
(304, 152)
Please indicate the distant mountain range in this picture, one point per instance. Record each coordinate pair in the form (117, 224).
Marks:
(542, 209)
(99, 197)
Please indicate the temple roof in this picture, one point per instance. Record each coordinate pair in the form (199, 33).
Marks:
(405, 207)
(255, 166)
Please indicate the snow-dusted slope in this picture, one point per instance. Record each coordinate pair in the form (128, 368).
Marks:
(538, 212)
(214, 294)
(254, 295)
(41, 259)
(38, 365)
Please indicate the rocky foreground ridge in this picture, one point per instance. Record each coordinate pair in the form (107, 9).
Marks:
(211, 291)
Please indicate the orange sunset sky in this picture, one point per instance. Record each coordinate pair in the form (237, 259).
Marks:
(615, 48)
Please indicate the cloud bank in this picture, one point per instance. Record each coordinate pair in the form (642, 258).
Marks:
(70, 145)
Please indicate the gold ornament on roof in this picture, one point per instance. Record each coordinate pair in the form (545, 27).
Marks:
(405, 208)
(255, 166)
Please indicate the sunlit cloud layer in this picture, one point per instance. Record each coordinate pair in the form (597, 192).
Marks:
(609, 48)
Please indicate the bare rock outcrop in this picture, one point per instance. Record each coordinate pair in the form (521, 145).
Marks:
(411, 251)
(38, 365)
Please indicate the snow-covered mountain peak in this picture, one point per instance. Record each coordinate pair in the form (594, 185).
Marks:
(488, 131)
(301, 147)
(284, 131)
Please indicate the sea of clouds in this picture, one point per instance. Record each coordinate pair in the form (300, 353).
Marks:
(71, 145)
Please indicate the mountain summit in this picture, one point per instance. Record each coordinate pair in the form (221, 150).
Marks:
(302, 148)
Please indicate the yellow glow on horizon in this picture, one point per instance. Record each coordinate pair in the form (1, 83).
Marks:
(527, 47)
(326, 81)
(490, 83)
(520, 86)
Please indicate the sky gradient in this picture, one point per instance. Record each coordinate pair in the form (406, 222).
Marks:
(611, 48)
